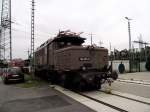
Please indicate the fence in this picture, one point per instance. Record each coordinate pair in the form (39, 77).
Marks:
(135, 66)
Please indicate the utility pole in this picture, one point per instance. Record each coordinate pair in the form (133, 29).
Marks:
(28, 53)
(6, 40)
(129, 31)
(100, 43)
(32, 61)
(0, 42)
(110, 47)
(10, 30)
(91, 38)
(111, 57)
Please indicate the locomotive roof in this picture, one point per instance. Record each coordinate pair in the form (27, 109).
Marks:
(44, 44)
(65, 36)
(73, 39)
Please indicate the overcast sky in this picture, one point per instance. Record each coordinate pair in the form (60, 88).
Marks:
(105, 19)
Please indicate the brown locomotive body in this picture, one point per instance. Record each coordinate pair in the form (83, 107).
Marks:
(64, 60)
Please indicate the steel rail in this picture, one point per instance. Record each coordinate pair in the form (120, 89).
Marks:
(126, 81)
(126, 97)
(104, 103)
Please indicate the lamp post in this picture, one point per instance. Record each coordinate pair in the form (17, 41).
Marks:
(129, 31)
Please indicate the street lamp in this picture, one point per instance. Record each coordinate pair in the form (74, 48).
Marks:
(129, 31)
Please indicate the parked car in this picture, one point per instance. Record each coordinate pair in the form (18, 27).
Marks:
(12, 74)
(1, 71)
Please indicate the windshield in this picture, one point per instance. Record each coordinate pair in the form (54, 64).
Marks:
(14, 70)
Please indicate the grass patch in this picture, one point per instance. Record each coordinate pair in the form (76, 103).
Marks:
(30, 82)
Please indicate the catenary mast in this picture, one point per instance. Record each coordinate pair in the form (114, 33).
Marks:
(6, 31)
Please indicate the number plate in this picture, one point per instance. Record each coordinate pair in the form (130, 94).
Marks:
(15, 75)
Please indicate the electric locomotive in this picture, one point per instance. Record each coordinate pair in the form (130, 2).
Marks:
(66, 61)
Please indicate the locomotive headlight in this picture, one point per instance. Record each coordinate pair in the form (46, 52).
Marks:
(81, 59)
(84, 59)
(83, 68)
(84, 76)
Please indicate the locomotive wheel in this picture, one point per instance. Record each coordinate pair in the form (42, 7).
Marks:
(62, 80)
(76, 86)
(80, 86)
(97, 82)
(54, 77)
(98, 86)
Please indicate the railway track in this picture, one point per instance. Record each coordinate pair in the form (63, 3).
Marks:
(118, 102)
(100, 99)
(134, 81)
(147, 103)
(104, 103)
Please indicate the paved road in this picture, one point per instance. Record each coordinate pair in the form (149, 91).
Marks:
(131, 88)
(44, 99)
(145, 76)
(135, 89)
